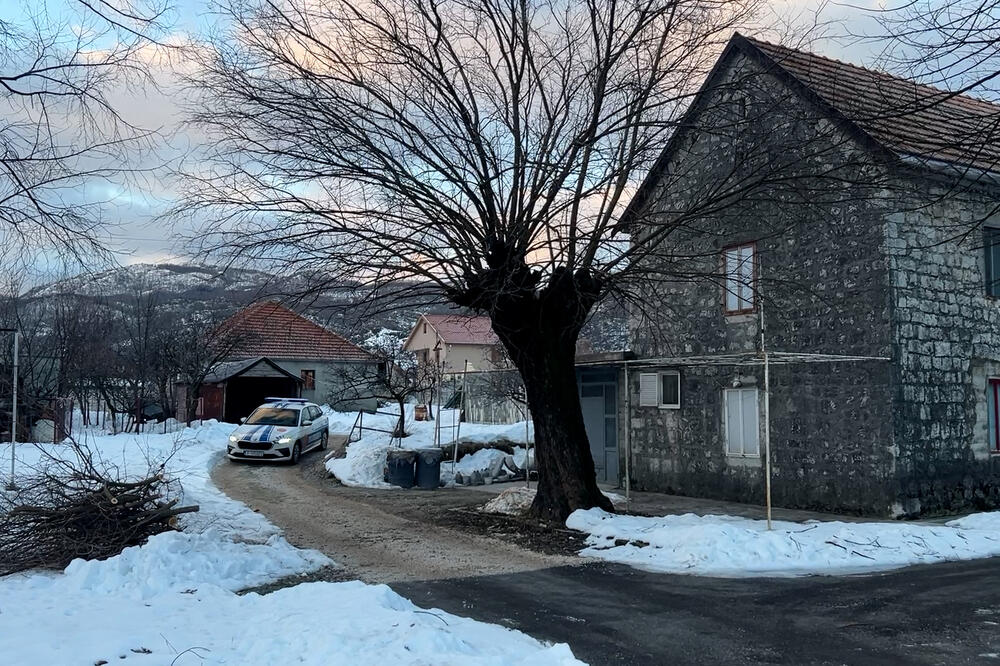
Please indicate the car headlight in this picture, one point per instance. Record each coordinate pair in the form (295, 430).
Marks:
(232, 438)
(285, 440)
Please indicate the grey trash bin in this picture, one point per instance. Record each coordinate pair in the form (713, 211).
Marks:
(429, 468)
(399, 467)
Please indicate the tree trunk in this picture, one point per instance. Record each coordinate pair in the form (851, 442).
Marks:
(400, 430)
(540, 331)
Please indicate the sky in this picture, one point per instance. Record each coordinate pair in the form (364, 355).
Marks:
(134, 209)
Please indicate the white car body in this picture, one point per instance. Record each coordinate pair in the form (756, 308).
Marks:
(282, 425)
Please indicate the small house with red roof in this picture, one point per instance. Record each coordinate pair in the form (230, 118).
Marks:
(280, 353)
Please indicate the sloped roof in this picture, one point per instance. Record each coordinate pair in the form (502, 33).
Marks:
(893, 114)
(902, 115)
(228, 369)
(458, 329)
(271, 329)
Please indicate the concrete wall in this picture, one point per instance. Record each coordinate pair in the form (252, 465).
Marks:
(332, 380)
(452, 357)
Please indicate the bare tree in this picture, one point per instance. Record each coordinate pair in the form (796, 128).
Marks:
(482, 151)
(61, 137)
(192, 346)
(394, 376)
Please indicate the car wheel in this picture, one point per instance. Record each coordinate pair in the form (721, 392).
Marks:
(296, 452)
(322, 441)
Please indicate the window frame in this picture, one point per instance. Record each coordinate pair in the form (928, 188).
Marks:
(658, 375)
(991, 273)
(727, 425)
(308, 380)
(659, 389)
(993, 415)
(753, 279)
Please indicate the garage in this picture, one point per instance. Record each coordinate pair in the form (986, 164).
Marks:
(234, 389)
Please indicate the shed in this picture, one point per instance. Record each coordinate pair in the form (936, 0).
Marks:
(233, 389)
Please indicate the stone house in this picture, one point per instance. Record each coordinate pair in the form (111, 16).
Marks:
(876, 292)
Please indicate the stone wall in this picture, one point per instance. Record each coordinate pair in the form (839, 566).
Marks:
(947, 334)
(823, 280)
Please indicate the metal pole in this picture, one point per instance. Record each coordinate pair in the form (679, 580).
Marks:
(527, 444)
(628, 440)
(767, 418)
(13, 417)
(461, 408)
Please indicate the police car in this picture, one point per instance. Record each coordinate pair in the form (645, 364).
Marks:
(281, 429)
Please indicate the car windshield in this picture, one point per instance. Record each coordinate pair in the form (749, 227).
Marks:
(274, 416)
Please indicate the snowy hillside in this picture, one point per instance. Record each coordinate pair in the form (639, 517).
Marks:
(193, 286)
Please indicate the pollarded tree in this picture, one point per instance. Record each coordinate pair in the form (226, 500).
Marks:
(483, 150)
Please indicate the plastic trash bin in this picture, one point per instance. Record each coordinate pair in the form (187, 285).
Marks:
(399, 467)
(429, 468)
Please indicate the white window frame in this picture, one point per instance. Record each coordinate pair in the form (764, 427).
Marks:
(659, 389)
(726, 396)
(645, 400)
(739, 270)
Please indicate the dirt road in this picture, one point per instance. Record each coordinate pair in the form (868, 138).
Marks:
(372, 534)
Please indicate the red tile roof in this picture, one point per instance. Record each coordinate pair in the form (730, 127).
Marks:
(900, 114)
(274, 331)
(456, 329)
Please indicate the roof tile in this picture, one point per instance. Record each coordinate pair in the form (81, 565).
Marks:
(902, 115)
(274, 331)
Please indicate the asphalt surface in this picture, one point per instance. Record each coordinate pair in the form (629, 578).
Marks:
(612, 614)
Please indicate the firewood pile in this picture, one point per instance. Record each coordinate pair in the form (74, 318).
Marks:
(76, 509)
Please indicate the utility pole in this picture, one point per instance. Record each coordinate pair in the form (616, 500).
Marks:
(767, 416)
(11, 485)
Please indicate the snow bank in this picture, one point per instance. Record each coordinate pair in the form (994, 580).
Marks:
(515, 501)
(364, 460)
(311, 623)
(177, 561)
(172, 601)
(511, 502)
(734, 547)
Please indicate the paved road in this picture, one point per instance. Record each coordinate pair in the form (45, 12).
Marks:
(611, 614)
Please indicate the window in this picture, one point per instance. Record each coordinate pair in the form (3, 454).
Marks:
(993, 410)
(308, 379)
(740, 274)
(660, 389)
(991, 242)
(742, 430)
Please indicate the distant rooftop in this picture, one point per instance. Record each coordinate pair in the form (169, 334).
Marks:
(457, 329)
(275, 331)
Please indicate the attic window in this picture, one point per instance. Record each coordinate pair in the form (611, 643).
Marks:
(425, 327)
(991, 242)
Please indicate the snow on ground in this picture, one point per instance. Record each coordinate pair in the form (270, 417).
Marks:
(365, 459)
(173, 601)
(728, 546)
(515, 501)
